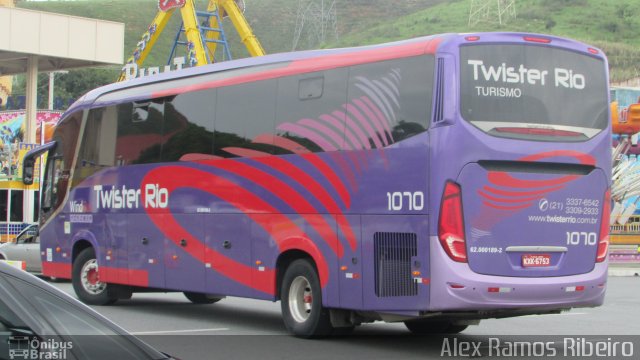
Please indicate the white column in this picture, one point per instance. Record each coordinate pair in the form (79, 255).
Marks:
(52, 76)
(32, 101)
(30, 118)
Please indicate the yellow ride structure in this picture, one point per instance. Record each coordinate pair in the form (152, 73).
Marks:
(202, 40)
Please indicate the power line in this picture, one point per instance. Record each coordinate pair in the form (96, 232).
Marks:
(315, 21)
(492, 11)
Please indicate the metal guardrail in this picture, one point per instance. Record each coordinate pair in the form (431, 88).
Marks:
(632, 227)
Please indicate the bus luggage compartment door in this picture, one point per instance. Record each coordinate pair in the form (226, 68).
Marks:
(532, 219)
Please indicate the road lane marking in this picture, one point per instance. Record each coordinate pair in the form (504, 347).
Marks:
(176, 331)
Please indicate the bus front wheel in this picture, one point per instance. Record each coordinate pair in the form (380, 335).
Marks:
(421, 327)
(86, 280)
(301, 301)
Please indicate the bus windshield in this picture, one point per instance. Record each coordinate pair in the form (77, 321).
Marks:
(533, 92)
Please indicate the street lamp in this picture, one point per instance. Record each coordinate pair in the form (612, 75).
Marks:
(51, 81)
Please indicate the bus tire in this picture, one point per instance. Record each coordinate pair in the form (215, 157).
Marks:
(301, 302)
(86, 281)
(421, 327)
(200, 298)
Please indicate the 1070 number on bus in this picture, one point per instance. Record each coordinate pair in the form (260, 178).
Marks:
(397, 201)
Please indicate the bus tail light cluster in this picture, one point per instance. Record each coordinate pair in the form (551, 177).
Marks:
(603, 243)
(451, 224)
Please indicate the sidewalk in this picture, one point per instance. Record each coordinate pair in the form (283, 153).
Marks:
(626, 269)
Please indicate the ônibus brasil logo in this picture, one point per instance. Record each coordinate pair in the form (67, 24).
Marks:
(166, 5)
(33, 348)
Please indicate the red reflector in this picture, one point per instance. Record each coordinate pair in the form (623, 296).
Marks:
(603, 244)
(537, 131)
(593, 51)
(472, 38)
(456, 286)
(580, 288)
(451, 223)
(537, 39)
(493, 289)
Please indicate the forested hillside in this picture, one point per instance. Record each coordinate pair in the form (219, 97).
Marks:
(611, 25)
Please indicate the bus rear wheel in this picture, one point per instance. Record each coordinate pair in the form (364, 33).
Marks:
(422, 327)
(301, 301)
(200, 298)
(86, 282)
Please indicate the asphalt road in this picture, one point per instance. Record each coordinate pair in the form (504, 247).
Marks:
(248, 329)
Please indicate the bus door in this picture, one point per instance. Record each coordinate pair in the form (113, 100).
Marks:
(396, 257)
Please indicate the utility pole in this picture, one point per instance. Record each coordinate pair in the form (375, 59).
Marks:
(315, 21)
(492, 11)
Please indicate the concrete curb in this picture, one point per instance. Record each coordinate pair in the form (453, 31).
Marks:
(613, 271)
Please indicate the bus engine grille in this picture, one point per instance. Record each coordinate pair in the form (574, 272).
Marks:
(393, 253)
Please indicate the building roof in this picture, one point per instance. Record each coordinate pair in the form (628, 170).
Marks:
(59, 41)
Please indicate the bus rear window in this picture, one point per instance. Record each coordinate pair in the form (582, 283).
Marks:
(533, 92)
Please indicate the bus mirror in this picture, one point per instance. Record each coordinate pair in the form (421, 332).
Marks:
(28, 170)
(29, 161)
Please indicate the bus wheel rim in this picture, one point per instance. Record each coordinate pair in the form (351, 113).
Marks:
(300, 299)
(90, 279)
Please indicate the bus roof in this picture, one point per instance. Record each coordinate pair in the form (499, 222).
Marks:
(309, 61)
(427, 44)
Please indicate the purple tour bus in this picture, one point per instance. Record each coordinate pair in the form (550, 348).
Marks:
(436, 181)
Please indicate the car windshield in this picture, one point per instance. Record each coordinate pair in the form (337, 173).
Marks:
(91, 337)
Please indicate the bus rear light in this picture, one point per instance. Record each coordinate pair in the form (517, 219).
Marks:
(456, 286)
(603, 244)
(451, 224)
(537, 39)
(593, 51)
(574, 288)
(538, 131)
(472, 38)
(499, 289)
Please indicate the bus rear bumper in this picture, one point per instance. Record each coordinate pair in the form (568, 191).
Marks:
(455, 287)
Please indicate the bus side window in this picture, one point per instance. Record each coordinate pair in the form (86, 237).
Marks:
(140, 132)
(244, 113)
(188, 123)
(311, 110)
(400, 91)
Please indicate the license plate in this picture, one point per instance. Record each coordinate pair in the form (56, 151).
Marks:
(536, 260)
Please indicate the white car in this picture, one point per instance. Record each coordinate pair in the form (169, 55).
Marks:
(25, 247)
